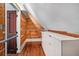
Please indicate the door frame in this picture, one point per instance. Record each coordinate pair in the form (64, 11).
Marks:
(18, 11)
(5, 29)
(18, 30)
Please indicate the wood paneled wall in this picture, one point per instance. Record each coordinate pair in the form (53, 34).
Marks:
(2, 22)
(2, 13)
(2, 49)
(29, 29)
(23, 29)
(32, 49)
(32, 30)
(2, 18)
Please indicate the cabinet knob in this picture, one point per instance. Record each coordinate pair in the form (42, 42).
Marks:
(50, 35)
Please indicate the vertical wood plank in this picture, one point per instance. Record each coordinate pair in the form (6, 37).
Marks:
(2, 22)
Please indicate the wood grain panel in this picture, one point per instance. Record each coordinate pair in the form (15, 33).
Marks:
(28, 28)
(32, 49)
(2, 52)
(35, 22)
(65, 33)
(23, 29)
(1, 34)
(2, 49)
(2, 22)
(32, 30)
(2, 13)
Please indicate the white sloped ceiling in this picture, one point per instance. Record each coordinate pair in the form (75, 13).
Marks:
(57, 16)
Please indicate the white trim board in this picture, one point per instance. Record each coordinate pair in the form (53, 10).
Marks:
(5, 30)
(18, 30)
(34, 40)
(30, 40)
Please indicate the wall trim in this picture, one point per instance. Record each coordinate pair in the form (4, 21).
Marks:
(18, 30)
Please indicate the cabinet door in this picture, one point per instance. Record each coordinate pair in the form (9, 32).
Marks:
(51, 45)
(45, 39)
(46, 44)
(55, 46)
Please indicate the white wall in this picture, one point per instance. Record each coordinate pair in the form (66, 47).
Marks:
(58, 16)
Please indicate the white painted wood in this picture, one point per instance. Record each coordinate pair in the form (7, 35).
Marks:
(55, 46)
(5, 30)
(59, 45)
(70, 48)
(51, 45)
(34, 40)
(18, 30)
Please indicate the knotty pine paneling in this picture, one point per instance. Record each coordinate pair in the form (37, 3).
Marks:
(23, 29)
(2, 49)
(2, 52)
(29, 29)
(32, 30)
(2, 13)
(1, 34)
(2, 22)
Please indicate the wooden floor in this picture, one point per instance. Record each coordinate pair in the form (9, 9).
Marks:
(32, 49)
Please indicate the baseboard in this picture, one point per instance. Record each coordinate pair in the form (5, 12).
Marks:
(34, 40)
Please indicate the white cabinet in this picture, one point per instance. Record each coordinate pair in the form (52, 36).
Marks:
(59, 45)
(50, 44)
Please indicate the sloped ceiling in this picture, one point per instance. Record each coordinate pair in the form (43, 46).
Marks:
(56, 16)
